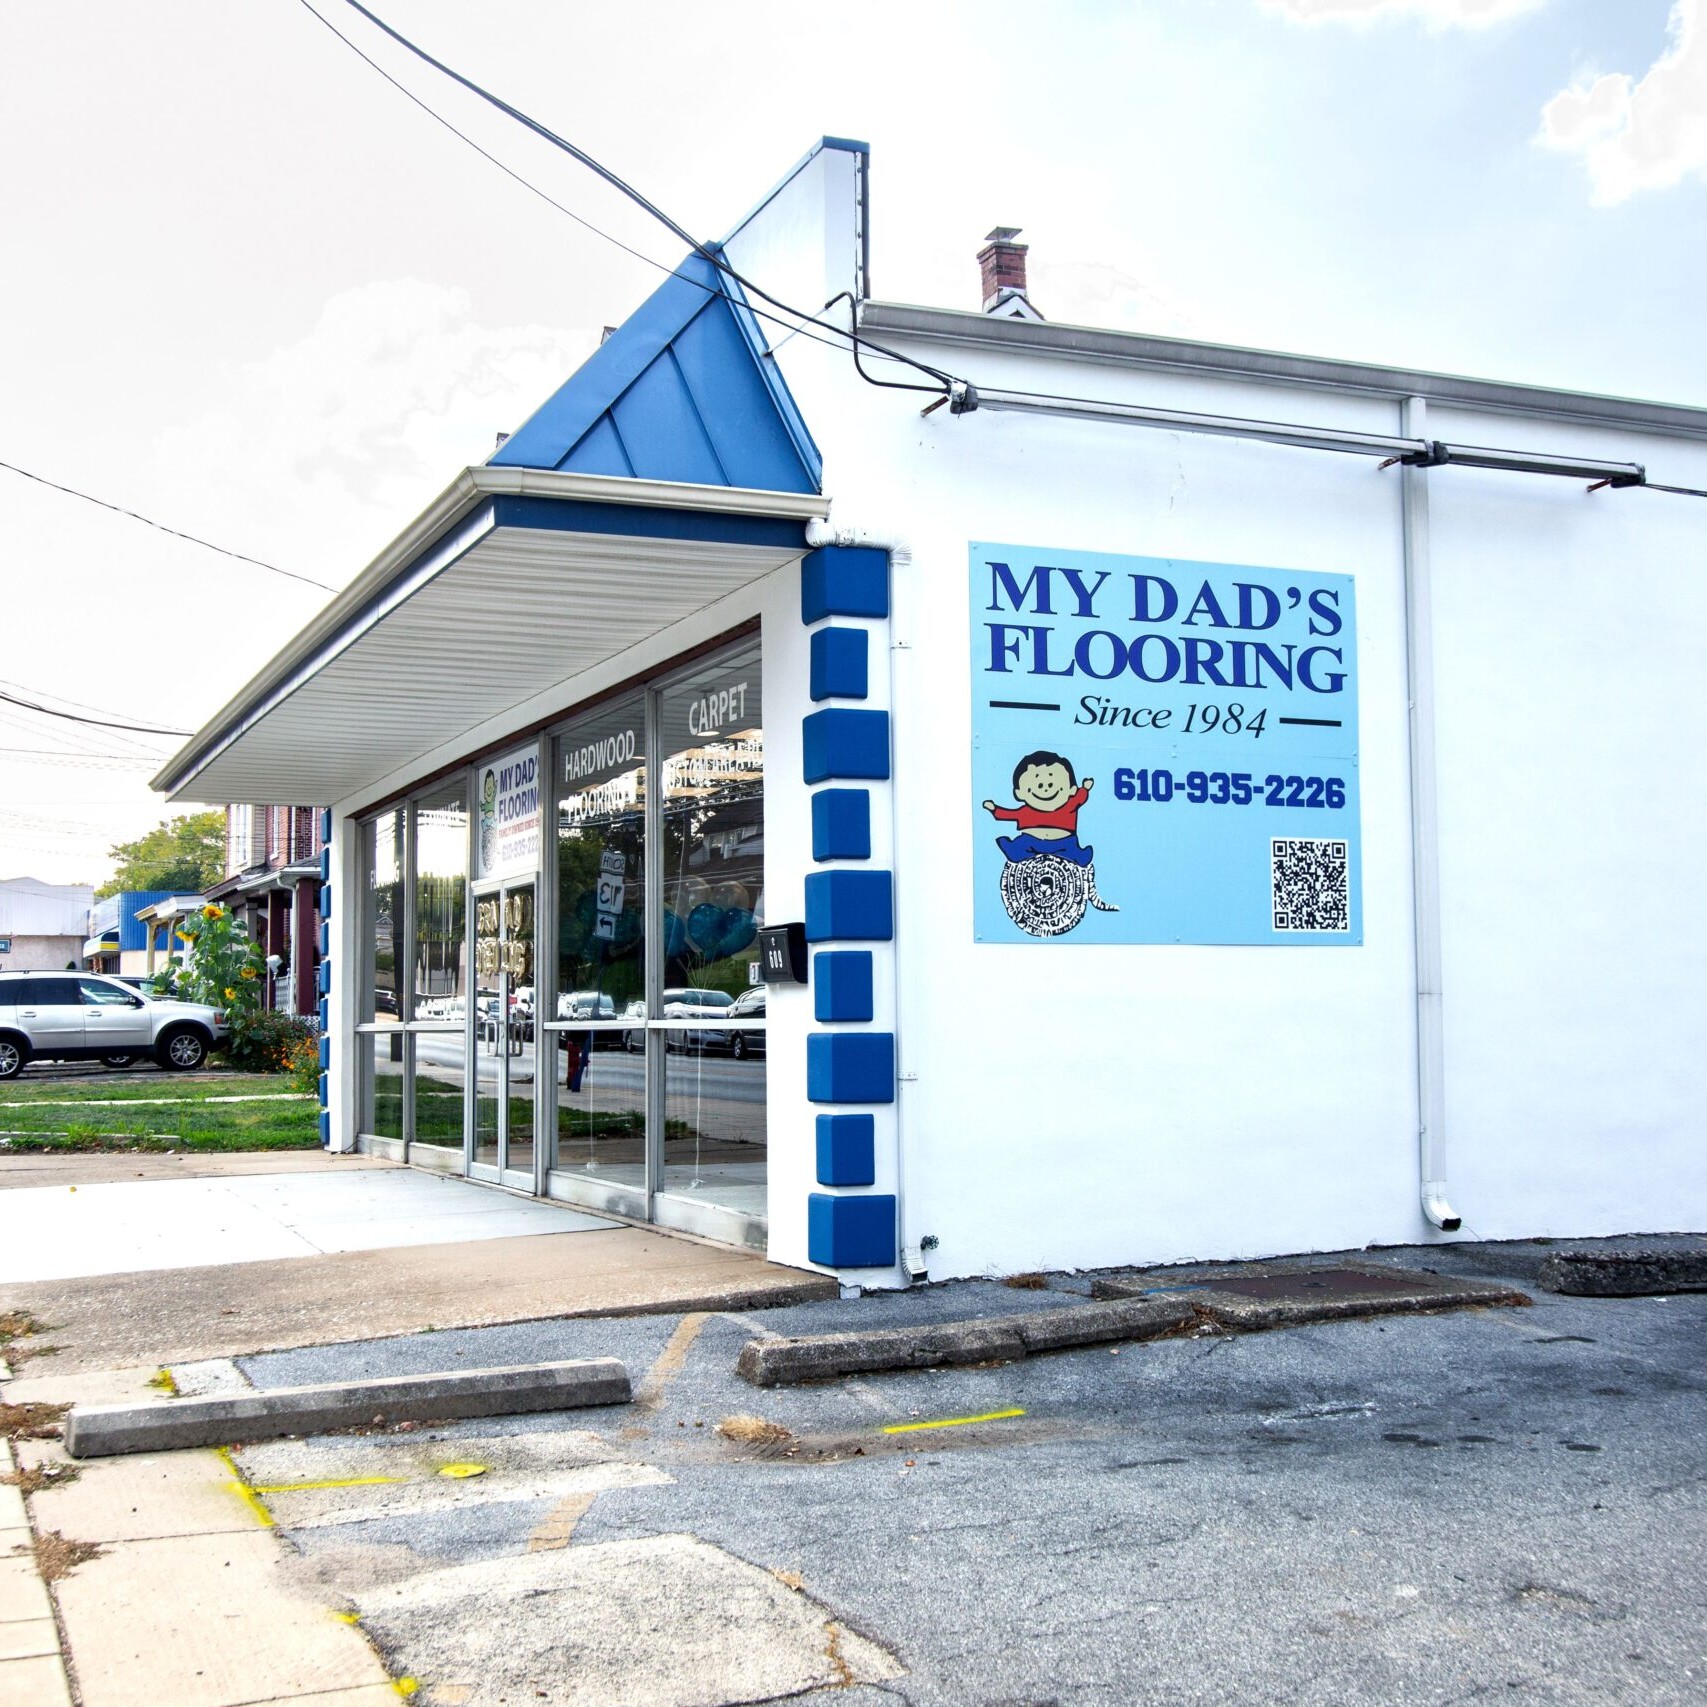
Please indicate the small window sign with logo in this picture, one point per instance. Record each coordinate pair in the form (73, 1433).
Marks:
(5, 945)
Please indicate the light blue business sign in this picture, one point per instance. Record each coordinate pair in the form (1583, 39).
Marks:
(1162, 751)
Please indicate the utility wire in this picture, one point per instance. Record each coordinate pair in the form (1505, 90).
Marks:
(98, 722)
(706, 253)
(945, 383)
(119, 509)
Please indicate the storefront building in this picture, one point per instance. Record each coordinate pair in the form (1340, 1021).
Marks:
(1228, 800)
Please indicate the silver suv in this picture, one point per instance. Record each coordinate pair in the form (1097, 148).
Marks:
(71, 1016)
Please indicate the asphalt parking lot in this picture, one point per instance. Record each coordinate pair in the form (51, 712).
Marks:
(1502, 1503)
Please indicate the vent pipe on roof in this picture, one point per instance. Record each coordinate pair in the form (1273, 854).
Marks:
(1001, 265)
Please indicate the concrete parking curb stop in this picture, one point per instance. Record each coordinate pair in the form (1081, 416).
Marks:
(105, 1430)
(785, 1361)
(1624, 1273)
(1257, 1296)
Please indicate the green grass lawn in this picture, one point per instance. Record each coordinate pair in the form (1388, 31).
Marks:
(158, 1111)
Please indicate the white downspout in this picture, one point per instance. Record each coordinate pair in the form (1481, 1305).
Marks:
(822, 533)
(1425, 835)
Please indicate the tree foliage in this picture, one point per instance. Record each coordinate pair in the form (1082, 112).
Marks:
(185, 855)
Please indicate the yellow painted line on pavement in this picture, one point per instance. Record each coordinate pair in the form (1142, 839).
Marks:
(240, 1487)
(953, 1422)
(333, 1482)
(651, 1391)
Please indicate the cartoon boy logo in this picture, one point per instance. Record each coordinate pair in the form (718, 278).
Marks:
(1047, 818)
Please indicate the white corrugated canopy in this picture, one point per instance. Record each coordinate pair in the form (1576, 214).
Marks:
(465, 616)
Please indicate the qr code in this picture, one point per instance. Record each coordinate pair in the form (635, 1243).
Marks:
(1312, 885)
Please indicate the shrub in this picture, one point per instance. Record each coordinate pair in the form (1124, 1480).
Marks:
(302, 1062)
(265, 1041)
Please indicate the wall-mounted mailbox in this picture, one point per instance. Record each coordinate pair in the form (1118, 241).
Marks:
(782, 952)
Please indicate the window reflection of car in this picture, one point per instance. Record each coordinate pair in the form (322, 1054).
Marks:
(591, 1005)
(521, 1014)
(703, 1005)
(634, 1035)
(750, 1004)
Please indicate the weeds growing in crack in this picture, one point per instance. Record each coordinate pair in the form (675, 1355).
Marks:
(31, 1422)
(844, 1678)
(754, 1431)
(36, 1477)
(57, 1557)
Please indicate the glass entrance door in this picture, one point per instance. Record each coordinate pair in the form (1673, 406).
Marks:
(505, 1026)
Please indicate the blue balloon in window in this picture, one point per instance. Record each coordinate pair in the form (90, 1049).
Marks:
(738, 931)
(705, 928)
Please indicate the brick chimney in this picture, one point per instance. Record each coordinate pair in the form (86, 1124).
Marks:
(1001, 265)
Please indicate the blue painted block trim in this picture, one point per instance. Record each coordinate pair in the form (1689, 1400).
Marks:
(325, 1048)
(851, 906)
(841, 985)
(325, 1132)
(326, 823)
(840, 663)
(326, 1015)
(843, 580)
(325, 1090)
(841, 823)
(843, 742)
(325, 900)
(642, 521)
(326, 864)
(847, 1149)
(323, 978)
(850, 1066)
(325, 939)
(851, 1232)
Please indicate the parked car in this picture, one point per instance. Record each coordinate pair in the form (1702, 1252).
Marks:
(593, 1005)
(63, 1016)
(750, 1004)
(634, 1034)
(694, 1004)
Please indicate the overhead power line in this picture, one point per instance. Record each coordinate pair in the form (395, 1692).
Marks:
(802, 318)
(147, 521)
(97, 722)
(962, 396)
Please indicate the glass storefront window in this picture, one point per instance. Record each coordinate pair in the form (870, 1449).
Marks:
(711, 819)
(440, 866)
(382, 1071)
(600, 764)
(601, 862)
(440, 1073)
(635, 1031)
(382, 850)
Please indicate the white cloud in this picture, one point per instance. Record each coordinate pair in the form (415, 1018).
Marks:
(1640, 136)
(330, 444)
(1437, 14)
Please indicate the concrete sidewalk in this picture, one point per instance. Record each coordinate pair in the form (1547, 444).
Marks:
(160, 1568)
(54, 1232)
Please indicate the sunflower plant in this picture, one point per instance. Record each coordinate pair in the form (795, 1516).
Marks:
(222, 968)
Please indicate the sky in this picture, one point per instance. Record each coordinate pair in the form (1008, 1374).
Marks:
(250, 291)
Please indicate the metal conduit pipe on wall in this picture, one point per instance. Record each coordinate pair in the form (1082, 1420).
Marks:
(1410, 451)
(1425, 838)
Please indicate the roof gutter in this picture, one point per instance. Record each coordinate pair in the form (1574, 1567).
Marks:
(399, 570)
(1316, 373)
